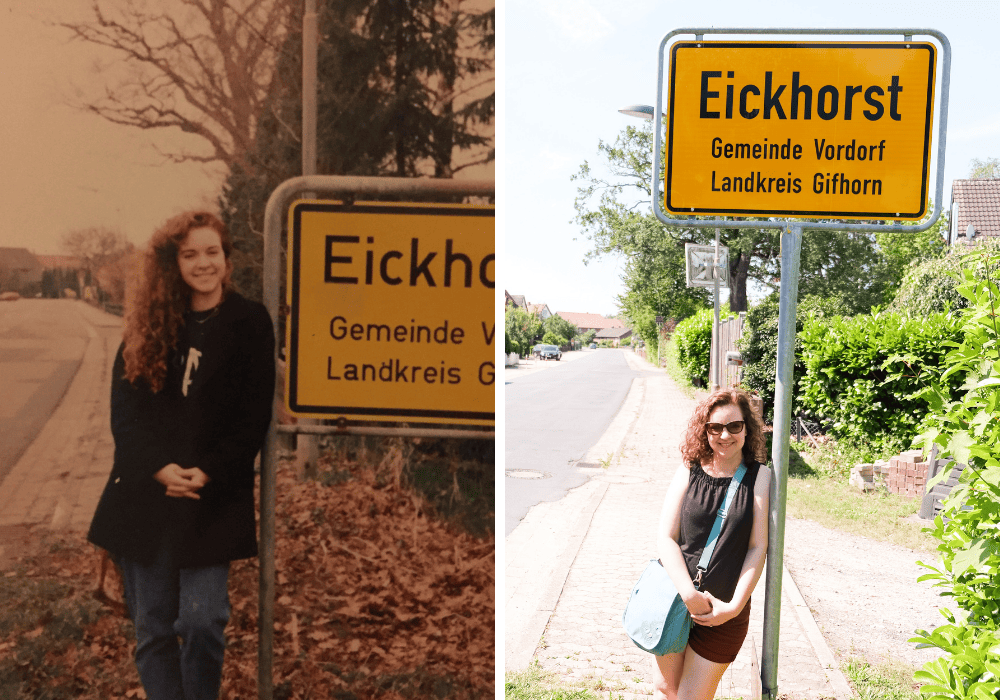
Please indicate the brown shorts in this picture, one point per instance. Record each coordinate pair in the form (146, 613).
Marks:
(721, 644)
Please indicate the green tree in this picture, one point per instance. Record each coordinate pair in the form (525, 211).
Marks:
(551, 338)
(967, 429)
(559, 327)
(613, 212)
(520, 330)
(985, 169)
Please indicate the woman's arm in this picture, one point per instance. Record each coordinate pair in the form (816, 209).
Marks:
(142, 440)
(249, 412)
(668, 548)
(753, 562)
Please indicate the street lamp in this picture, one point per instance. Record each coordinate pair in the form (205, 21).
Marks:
(641, 111)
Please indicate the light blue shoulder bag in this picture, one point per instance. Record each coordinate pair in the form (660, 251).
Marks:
(655, 617)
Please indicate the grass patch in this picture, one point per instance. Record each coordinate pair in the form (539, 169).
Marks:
(673, 367)
(535, 683)
(818, 491)
(885, 681)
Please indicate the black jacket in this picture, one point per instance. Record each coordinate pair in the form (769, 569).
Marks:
(213, 413)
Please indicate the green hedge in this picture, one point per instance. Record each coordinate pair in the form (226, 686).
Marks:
(759, 346)
(867, 375)
(693, 338)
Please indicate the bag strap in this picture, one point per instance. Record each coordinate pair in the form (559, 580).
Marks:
(713, 537)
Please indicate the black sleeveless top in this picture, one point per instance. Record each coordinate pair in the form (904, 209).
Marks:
(704, 496)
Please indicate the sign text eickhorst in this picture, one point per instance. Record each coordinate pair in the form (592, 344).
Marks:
(828, 106)
(799, 129)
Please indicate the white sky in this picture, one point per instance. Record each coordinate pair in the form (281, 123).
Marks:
(571, 64)
(63, 169)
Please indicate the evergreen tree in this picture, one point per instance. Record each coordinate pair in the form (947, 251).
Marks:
(387, 71)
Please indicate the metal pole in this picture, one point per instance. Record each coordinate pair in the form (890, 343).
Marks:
(791, 248)
(309, 50)
(268, 479)
(716, 339)
(307, 446)
(269, 457)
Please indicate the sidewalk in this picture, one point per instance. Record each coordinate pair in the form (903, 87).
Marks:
(570, 566)
(58, 480)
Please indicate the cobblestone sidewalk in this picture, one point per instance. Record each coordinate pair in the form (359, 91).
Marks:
(583, 640)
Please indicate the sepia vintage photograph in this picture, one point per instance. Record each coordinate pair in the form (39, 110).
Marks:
(247, 333)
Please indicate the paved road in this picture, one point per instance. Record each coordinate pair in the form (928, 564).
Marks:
(41, 344)
(553, 416)
(59, 476)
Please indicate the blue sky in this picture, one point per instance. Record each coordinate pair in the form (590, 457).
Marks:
(569, 65)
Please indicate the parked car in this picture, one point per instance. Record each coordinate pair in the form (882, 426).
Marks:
(593, 346)
(547, 352)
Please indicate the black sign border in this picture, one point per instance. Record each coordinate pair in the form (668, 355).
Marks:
(295, 250)
(925, 171)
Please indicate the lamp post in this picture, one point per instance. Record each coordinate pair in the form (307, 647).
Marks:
(640, 111)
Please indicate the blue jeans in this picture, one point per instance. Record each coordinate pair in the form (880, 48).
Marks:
(166, 602)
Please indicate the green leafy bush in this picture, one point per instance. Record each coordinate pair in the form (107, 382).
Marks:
(693, 338)
(551, 338)
(759, 345)
(868, 375)
(967, 428)
(932, 286)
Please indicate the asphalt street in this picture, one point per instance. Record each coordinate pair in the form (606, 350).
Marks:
(41, 344)
(553, 417)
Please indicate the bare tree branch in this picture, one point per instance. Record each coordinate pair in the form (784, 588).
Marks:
(201, 66)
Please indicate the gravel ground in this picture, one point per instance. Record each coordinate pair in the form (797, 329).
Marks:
(863, 593)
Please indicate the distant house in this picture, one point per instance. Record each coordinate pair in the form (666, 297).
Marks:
(587, 321)
(540, 310)
(518, 300)
(975, 204)
(20, 271)
(615, 335)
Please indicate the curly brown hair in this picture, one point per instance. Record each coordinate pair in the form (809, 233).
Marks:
(695, 447)
(159, 296)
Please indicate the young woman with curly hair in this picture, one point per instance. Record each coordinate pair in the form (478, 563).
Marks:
(723, 433)
(191, 396)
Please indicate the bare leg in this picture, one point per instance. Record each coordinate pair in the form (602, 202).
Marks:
(700, 677)
(667, 670)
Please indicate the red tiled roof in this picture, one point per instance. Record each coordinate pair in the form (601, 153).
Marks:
(613, 333)
(978, 204)
(588, 320)
(18, 259)
(53, 262)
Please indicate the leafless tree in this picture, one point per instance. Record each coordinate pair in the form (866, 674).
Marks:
(201, 66)
(95, 246)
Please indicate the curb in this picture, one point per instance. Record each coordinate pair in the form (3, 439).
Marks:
(816, 639)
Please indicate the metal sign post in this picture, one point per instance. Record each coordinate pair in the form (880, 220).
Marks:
(758, 95)
(277, 204)
(708, 266)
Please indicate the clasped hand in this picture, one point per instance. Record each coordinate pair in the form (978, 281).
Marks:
(708, 610)
(180, 482)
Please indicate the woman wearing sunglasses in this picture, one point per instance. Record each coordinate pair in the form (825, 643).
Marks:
(723, 433)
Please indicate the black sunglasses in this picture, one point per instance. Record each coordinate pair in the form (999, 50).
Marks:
(734, 428)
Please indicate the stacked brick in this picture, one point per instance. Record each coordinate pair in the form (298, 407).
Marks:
(907, 474)
(904, 474)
